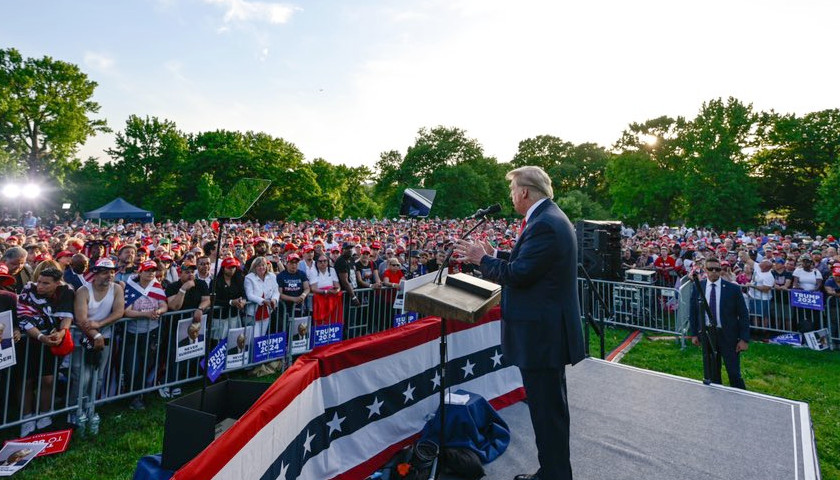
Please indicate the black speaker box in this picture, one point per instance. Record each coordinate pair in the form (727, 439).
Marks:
(599, 248)
(189, 429)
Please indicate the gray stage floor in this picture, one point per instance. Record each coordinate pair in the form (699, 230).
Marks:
(629, 423)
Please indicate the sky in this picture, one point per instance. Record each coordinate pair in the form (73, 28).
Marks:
(347, 80)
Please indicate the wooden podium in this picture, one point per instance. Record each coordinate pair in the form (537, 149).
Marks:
(461, 297)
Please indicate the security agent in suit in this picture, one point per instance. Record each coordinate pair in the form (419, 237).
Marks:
(541, 327)
(731, 324)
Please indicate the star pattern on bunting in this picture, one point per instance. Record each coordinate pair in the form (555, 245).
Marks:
(497, 359)
(341, 420)
(335, 424)
(408, 393)
(307, 444)
(374, 407)
(468, 369)
(436, 381)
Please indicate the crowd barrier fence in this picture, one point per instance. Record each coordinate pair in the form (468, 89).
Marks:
(141, 359)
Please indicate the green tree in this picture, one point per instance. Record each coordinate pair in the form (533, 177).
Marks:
(45, 114)
(149, 159)
(717, 188)
(795, 157)
(443, 159)
(207, 195)
(230, 155)
(91, 186)
(641, 190)
(344, 192)
(578, 206)
(828, 203)
(570, 167)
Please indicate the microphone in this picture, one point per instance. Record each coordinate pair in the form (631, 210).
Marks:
(483, 212)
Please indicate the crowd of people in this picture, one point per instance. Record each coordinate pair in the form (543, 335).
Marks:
(764, 264)
(86, 276)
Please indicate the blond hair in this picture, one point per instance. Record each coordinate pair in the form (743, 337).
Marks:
(533, 178)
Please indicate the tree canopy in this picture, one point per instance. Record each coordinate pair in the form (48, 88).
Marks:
(46, 111)
(728, 166)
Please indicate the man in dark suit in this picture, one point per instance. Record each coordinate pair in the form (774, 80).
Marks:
(192, 335)
(541, 327)
(729, 323)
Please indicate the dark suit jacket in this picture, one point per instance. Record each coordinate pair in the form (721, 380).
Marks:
(541, 325)
(734, 316)
(186, 341)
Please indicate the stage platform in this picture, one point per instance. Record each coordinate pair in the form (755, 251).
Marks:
(629, 423)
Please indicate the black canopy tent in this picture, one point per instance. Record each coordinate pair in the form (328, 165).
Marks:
(119, 208)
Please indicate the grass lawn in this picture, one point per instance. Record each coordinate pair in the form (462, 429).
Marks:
(797, 374)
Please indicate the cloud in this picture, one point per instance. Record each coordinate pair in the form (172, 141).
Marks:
(244, 11)
(99, 61)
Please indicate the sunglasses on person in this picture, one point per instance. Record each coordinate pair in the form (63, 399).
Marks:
(395, 264)
(322, 261)
(713, 269)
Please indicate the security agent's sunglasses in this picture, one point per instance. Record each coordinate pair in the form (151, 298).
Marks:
(713, 269)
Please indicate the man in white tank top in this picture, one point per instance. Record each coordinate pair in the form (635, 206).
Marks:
(98, 304)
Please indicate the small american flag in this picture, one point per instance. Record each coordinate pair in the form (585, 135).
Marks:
(133, 291)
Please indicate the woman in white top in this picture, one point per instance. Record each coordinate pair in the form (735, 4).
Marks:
(263, 295)
(809, 279)
(325, 279)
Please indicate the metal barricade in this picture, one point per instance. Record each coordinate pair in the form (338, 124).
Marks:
(141, 358)
(648, 307)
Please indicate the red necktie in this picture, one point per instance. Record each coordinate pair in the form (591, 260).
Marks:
(522, 227)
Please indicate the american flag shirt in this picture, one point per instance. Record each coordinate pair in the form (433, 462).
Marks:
(44, 313)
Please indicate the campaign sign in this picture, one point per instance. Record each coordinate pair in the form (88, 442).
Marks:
(269, 347)
(57, 442)
(16, 455)
(300, 338)
(803, 299)
(7, 348)
(239, 350)
(216, 361)
(190, 339)
(404, 319)
(327, 334)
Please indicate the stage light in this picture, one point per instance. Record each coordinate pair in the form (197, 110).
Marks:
(11, 191)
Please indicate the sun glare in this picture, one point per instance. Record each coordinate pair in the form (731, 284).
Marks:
(649, 140)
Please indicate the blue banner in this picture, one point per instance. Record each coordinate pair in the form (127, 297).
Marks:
(404, 318)
(803, 299)
(269, 347)
(217, 361)
(327, 334)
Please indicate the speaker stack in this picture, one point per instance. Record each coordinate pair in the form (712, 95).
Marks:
(599, 248)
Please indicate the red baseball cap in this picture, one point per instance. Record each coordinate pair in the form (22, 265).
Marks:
(230, 262)
(147, 265)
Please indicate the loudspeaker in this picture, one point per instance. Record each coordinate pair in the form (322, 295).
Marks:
(188, 429)
(599, 248)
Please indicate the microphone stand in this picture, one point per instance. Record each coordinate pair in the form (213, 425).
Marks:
(708, 336)
(435, 472)
(208, 328)
(589, 286)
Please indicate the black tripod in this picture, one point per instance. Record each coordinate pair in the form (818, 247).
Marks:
(588, 290)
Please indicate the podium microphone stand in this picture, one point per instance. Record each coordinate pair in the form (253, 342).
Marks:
(460, 297)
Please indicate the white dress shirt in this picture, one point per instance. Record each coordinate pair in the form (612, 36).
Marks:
(716, 306)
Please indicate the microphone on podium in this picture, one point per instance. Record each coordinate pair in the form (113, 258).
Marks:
(483, 212)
